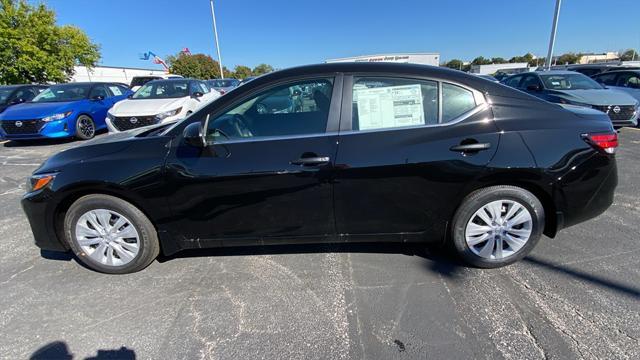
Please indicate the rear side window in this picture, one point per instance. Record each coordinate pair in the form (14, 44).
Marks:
(456, 101)
(630, 80)
(385, 102)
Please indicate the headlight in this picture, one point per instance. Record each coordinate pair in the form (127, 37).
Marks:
(37, 182)
(55, 117)
(166, 114)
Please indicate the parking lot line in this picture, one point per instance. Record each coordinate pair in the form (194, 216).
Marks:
(5, 141)
(634, 129)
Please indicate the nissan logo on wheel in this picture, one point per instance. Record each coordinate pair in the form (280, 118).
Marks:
(18, 123)
(133, 120)
(616, 109)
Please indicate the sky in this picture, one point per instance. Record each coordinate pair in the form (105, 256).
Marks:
(295, 32)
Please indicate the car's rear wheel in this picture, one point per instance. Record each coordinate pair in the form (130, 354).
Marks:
(497, 226)
(110, 235)
(85, 127)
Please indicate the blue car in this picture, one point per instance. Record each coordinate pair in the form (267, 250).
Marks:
(62, 111)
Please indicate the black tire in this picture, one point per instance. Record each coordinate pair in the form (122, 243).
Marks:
(85, 127)
(149, 247)
(475, 201)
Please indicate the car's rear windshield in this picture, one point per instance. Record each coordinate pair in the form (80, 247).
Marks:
(223, 83)
(163, 90)
(575, 81)
(5, 92)
(65, 92)
(141, 80)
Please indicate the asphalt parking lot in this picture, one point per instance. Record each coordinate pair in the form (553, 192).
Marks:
(575, 297)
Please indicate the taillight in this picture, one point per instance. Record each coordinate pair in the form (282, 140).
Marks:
(605, 142)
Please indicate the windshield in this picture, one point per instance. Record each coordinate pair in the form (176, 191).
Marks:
(66, 92)
(141, 80)
(222, 83)
(163, 90)
(5, 92)
(569, 82)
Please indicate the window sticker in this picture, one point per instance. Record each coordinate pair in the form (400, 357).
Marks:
(115, 90)
(389, 107)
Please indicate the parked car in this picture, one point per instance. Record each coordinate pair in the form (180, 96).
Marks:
(17, 94)
(61, 111)
(160, 101)
(386, 152)
(138, 81)
(568, 87)
(622, 80)
(594, 69)
(223, 86)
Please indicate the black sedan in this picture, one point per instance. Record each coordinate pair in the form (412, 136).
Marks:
(381, 152)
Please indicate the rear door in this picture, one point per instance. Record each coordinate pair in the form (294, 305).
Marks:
(408, 148)
(264, 176)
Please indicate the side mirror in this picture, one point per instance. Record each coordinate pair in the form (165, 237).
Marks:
(194, 135)
(197, 94)
(533, 87)
(98, 98)
(17, 101)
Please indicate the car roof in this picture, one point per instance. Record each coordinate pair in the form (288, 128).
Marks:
(556, 72)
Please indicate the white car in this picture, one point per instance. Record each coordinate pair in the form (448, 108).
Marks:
(160, 101)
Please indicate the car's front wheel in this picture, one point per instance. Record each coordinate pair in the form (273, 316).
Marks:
(85, 127)
(497, 226)
(110, 235)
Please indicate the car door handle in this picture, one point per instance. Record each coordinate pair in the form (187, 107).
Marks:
(467, 148)
(311, 161)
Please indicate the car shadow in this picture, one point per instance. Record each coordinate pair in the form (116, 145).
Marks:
(59, 350)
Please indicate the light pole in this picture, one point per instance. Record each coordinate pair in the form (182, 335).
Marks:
(552, 41)
(215, 35)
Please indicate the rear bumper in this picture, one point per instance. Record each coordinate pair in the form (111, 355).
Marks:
(589, 193)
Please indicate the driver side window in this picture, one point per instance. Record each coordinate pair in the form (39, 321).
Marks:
(299, 108)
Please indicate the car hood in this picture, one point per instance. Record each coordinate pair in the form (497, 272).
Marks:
(96, 148)
(596, 96)
(146, 107)
(27, 111)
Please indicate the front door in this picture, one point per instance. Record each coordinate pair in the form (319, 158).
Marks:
(265, 175)
(408, 149)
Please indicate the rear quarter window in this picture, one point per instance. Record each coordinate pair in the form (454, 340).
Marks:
(456, 101)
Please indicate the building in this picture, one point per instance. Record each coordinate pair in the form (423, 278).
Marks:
(494, 68)
(413, 58)
(596, 58)
(111, 74)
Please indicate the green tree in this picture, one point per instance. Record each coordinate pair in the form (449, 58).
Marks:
(568, 58)
(481, 60)
(262, 69)
(455, 64)
(629, 55)
(197, 66)
(498, 60)
(34, 49)
(241, 72)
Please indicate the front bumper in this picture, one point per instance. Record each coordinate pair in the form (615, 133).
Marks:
(38, 207)
(51, 130)
(113, 128)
